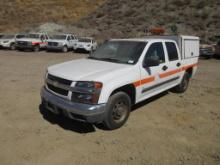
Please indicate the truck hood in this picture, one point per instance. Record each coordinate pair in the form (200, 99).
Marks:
(29, 39)
(86, 70)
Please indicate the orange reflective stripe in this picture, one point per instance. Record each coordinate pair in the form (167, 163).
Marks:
(137, 83)
(163, 75)
(189, 66)
(144, 81)
(166, 74)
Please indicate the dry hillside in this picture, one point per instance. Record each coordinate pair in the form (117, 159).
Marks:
(16, 15)
(114, 18)
(130, 17)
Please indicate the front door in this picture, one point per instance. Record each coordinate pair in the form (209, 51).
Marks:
(150, 79)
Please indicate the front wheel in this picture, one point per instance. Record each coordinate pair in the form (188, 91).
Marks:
(118, 110)
(64, 49)
(182, 87)
(36, 48)
(12, 46)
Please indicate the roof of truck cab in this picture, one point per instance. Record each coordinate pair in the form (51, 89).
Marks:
(142, 39)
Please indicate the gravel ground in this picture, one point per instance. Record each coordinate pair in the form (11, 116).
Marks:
(168, 129)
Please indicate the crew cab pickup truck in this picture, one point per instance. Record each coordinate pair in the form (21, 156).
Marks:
(85, 43)
(122, 72)
(8, 41)
(34, 41)
(63, 42)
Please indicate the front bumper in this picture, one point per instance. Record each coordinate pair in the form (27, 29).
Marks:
(76, 111)
(54, 47)
(5, 45)
(24, 47)
(84, 48)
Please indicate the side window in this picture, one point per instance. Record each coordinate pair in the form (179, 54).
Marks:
(172, 51)
(156, 51)
(46, 37)
(68, 38)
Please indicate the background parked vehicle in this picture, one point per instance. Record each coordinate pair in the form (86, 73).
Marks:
(86, 44)
(1, 35)
(63, 42)
(8, 41)
(33, 41)
(206, 51)
(217, 49)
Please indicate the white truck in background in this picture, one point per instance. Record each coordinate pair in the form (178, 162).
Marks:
(8, 41)
(32, 41)
(122, 72)
(86, 43)
(63, 42)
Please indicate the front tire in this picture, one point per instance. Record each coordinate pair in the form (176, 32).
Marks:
(183, 86)
(36, 48)
(118, 110)
(65, 49)
(12, 46)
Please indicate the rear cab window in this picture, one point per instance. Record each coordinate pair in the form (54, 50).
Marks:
(172, 51)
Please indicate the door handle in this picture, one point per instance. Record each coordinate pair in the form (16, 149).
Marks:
(164, 67)
(178, 64)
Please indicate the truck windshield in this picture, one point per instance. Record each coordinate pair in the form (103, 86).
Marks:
(84, 40)
(36, 36)
(8, 37)
(59, 37)
(18, 36)
(127, 52)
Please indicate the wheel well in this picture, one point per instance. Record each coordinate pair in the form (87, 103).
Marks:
(128, 89)
(190, 71)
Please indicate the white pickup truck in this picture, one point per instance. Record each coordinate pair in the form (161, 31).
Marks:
(8, 41)
(86, 43)
(63, 42)
(122, 72)
(32, 41)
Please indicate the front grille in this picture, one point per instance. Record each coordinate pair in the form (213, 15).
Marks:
(57, 90)
(53, 43)
(58, 85)
(22, 43)
(59, 80)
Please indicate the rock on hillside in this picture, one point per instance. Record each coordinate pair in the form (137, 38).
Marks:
(128, 18)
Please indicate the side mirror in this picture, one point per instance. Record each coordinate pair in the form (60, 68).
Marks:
(151, 61)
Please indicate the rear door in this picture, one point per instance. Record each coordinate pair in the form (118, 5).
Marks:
(171, 72)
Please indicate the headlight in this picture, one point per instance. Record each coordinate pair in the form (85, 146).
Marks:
(86, 92)
(88, 45)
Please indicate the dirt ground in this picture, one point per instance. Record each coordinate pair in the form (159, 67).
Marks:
(169, 129)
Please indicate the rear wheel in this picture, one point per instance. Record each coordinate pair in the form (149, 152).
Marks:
(182, 87)
(118, 110)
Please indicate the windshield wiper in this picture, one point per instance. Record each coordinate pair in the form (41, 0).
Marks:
(107, 59)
